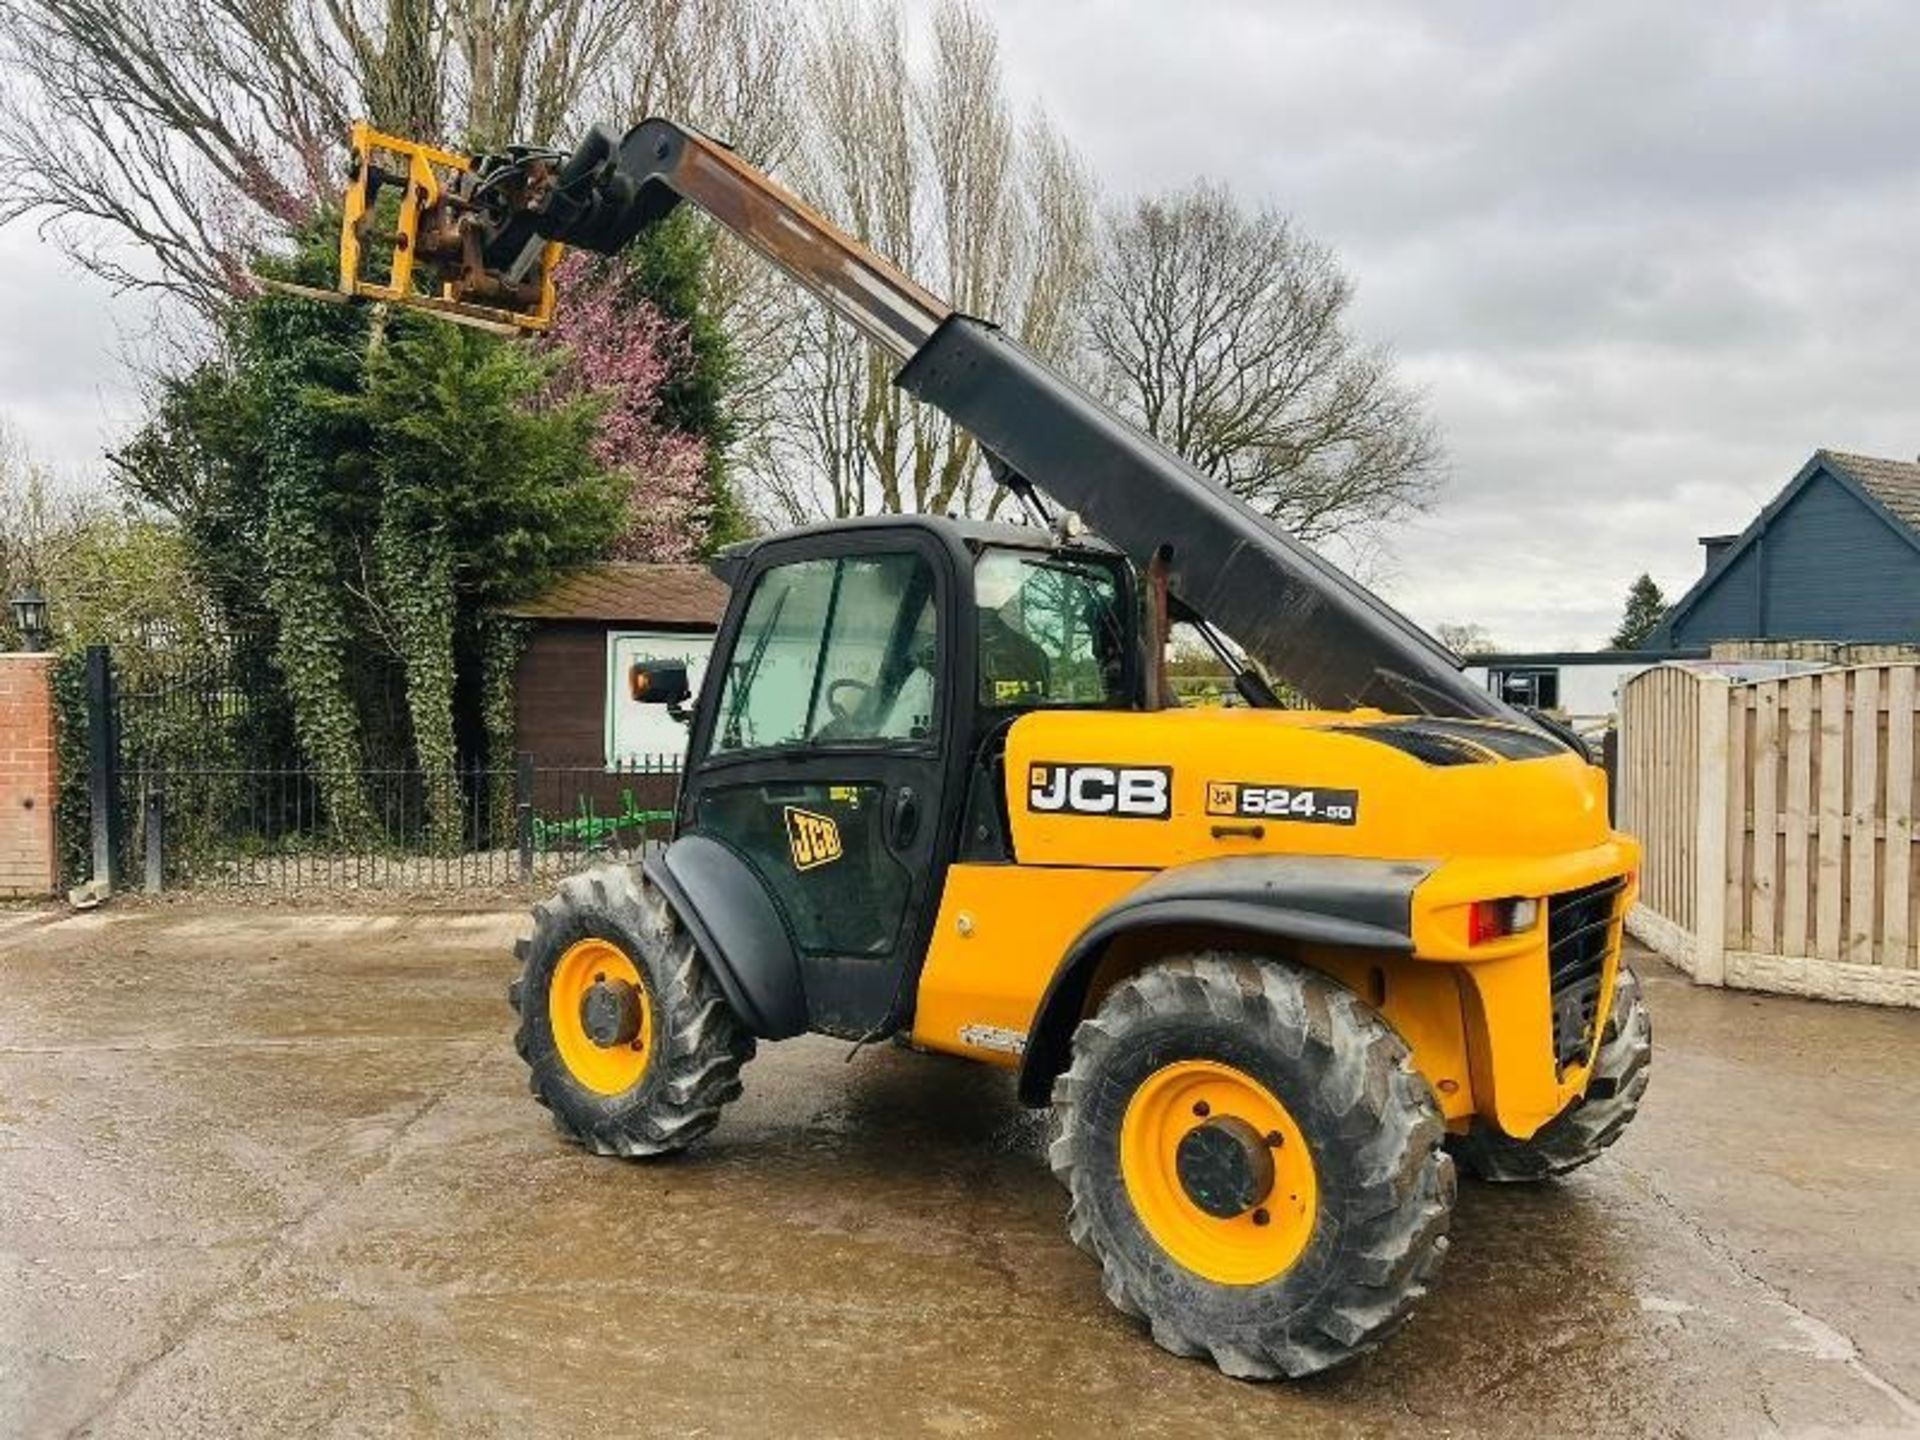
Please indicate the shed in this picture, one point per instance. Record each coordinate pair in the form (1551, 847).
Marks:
(570, 702)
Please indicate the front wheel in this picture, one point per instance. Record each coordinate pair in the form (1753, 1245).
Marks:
(627, 1037)
(1254, 1162)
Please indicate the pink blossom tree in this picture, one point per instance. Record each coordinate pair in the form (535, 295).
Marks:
(625, 348)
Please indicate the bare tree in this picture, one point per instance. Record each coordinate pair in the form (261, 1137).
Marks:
(36, 519)
(1225, 335)
(1466, 640)
(931, 167)
(162, 144)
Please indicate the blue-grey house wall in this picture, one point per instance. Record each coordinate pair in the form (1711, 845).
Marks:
(1730, 609)
(1822, 563)
(1837, 571)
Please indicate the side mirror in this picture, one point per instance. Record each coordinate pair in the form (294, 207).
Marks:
(659, 682)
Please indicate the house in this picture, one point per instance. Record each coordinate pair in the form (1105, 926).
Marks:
(1833, 560)
(1834, 557)
(571, 707)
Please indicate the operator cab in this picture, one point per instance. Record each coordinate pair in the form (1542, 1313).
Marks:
(849, 729)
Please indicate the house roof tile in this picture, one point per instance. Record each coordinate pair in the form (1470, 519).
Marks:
(1894, 483)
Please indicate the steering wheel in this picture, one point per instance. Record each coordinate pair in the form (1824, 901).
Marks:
(841, 711)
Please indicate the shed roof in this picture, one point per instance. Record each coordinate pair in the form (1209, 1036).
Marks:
(1894, 483)
(631, 593)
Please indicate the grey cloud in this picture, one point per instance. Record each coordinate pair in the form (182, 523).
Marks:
(62, 384)
(1644, 258)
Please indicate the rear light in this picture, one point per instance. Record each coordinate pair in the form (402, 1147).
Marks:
(1497, 919)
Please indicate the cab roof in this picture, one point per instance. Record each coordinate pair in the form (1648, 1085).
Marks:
(973, 534)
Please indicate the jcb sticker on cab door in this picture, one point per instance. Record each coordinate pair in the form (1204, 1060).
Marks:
(814, 839)
(1127, 792)
(1314, 804)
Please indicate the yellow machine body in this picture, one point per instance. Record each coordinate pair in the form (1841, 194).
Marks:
(1477, 1017)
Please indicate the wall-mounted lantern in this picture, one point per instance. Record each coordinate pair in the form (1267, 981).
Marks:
(30, 618)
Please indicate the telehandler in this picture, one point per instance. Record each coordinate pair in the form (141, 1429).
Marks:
(1274, 969)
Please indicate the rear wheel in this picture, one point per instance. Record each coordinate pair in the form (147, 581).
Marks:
(1579, 1133)
(1254, 1162)
(626, 1035)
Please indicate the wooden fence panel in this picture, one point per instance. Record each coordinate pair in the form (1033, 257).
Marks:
(1767, 758)
(1798, 816)
(1898, 932)
(1778, 820)
(1739, 817)
(1829, 882)
(1862, 911)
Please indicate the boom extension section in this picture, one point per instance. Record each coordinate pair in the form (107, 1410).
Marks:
(1330, 639)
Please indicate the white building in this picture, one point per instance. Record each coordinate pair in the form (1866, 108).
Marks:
(1582, 685)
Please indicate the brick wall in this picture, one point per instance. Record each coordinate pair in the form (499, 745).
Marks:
(28, 782)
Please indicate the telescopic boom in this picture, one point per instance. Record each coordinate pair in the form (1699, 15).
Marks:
(1328, 637)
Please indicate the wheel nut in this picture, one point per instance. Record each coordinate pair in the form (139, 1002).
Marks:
(1275, 1139)
(1260, 1217)
(1202, 1109)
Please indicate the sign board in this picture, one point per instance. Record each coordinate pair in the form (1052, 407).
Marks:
(638, 734)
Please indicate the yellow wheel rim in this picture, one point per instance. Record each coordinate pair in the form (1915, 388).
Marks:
(1245, 1249)
(606, 1069)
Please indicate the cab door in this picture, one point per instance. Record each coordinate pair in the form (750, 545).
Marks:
(819, 757)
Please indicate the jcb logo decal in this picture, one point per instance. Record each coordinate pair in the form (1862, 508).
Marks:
(1131, 792)
(814, 839)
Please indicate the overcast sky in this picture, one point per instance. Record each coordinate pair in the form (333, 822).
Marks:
(1643, 258)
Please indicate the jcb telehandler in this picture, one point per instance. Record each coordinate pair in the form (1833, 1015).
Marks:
(1272, 968)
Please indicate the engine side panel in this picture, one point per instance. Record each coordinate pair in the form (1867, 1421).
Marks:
(1146, 791)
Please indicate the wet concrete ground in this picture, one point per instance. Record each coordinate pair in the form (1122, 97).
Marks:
(277, 1173)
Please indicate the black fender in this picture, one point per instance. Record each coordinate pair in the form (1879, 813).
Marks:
(739, 930)
(1315, 899)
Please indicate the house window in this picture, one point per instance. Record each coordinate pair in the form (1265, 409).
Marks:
(1534, 688)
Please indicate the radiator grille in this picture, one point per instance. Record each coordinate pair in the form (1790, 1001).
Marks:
(1579, 936)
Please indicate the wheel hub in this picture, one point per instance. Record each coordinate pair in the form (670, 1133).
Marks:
(1225, 1166)
(610, 1013)
(1218, 1172)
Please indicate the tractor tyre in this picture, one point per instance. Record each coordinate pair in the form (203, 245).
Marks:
(627, 1037)
(1254, 1162)
(1579, 1133)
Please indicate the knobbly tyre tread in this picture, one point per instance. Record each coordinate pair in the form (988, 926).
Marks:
(699, 1044)
(1386, 1182)
(1579, 1133)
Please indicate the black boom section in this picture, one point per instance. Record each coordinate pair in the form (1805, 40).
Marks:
(1335, 643)
(1311, 899)
(1325, 635)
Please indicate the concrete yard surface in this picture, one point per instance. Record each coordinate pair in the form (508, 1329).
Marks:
(277, 1173)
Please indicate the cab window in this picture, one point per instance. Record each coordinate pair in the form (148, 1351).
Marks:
(1051, 630)
(834, 650)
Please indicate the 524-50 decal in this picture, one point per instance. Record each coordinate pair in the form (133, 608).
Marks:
(1314, 804)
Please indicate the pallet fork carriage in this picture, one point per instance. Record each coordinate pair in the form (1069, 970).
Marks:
(444, 203)
(1273, 970)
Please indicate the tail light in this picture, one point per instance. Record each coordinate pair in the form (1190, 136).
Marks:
(1497, 919)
